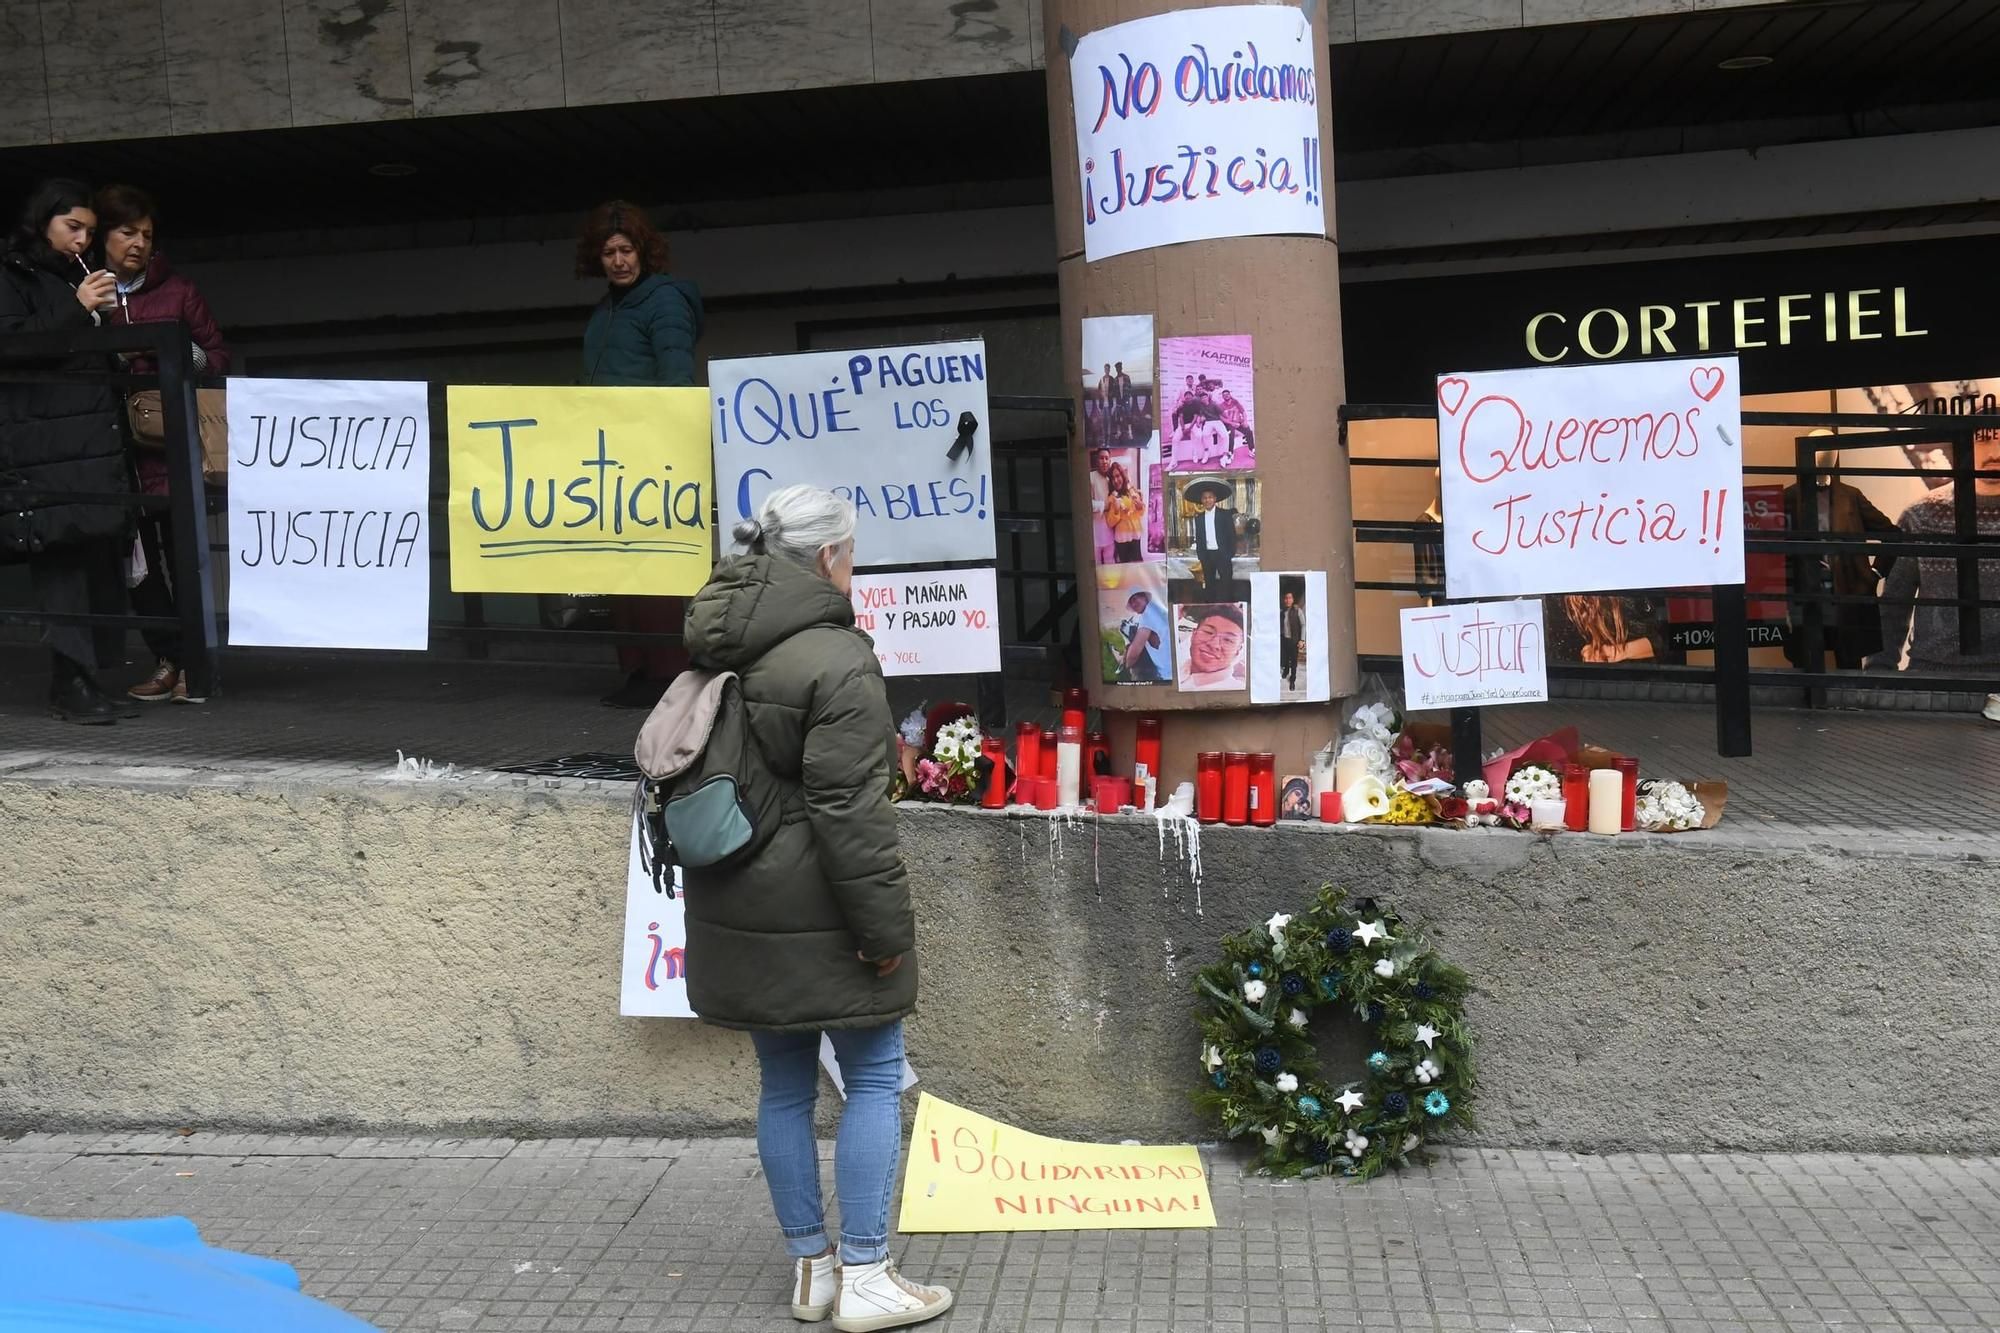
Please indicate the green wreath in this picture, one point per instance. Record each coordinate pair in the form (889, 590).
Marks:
(1258, 1054)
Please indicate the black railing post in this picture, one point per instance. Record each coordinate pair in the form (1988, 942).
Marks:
(1467, 745)
(1806, 580)
(1732, 672)
(194, 591)
(1965, 521)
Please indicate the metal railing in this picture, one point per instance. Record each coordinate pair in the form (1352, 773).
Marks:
(1031, 480)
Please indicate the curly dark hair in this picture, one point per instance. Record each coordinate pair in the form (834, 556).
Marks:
(611, 219)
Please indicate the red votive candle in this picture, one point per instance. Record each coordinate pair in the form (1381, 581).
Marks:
(1027, 758)
(1263, 789)
(1208, 787)
(1112, 794)
(1146, 750)
(1628, 815)
(1045, 793)
(1096, 757)
(1047, 768)
(1236, 787)
(1576, 798)
(1329, 807)
(995, 795)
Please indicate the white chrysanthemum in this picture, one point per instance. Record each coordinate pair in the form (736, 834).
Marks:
(1667, 806)
(1532, 783)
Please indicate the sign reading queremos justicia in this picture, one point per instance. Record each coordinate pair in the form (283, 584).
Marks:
(1807, 319)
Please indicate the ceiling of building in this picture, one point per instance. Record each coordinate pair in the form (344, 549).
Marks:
(1431, 104)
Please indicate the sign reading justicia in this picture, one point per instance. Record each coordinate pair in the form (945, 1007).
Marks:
(1198, 124)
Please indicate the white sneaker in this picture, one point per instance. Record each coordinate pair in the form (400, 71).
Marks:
(812, 1288)
(875, 1296)
(1992, 710)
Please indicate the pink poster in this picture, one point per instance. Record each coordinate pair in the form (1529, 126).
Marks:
(1208, 414)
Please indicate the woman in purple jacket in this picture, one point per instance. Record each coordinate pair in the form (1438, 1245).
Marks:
(149, 292)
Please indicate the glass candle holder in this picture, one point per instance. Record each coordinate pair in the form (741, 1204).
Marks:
(1236, 787)
(1208, 787)
(1628, 774)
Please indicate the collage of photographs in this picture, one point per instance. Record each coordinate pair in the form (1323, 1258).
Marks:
(1170, 428)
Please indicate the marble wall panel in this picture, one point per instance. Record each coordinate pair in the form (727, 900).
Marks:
(349, 61)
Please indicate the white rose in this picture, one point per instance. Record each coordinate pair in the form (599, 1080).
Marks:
(1288, 1083)
(1253, 991)
(1297, 1018)
(1385, 968)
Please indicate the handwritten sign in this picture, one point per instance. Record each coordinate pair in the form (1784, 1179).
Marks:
(880, 427)
(941, 623)
(969, 1173)
(329, 529)
(1471, 654)
(602, 490)
(1591, 478)
(653, 975)
(1198, 124)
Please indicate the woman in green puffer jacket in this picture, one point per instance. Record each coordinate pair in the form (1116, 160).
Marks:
(815, 931)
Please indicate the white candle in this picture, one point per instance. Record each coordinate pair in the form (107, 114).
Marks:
(1545, 816)
(1607, 800)
(1348, 770)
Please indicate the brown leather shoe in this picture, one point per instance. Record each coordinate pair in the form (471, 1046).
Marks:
(181, 695)
(158, 687)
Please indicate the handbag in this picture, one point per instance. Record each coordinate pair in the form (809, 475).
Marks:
(149, 425)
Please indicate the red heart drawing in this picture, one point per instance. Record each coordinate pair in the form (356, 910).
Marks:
(1706, 381)
(1451, 394)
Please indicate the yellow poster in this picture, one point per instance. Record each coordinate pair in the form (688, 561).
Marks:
(969, 1173)
(579, 490)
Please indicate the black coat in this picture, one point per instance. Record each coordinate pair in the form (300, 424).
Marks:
(62, 435)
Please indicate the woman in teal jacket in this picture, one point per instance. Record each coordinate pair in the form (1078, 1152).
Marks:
(642, 332)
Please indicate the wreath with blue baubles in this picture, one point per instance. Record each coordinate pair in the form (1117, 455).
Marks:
(1261, 1071)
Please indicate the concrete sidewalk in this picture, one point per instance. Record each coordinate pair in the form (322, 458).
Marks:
(676, 1236)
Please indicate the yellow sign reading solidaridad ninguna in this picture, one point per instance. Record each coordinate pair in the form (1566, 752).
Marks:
(579, 490)
(967, 1172)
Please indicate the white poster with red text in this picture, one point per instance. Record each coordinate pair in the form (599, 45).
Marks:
(1591, 478)
(1474, 654)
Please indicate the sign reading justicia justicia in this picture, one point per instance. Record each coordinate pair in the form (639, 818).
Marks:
(1198, 124)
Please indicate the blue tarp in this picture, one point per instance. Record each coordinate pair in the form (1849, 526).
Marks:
(148, 1276)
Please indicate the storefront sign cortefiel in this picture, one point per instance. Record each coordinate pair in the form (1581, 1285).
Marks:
(1198, 124)
(575, 490)
(967, 1172)
(329, 533)
(1472, 654)
(653, 977)
(903, 432)
(1591, 478)
(938, 623)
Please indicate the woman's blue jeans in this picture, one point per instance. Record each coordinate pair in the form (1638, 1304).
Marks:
(871, 1136)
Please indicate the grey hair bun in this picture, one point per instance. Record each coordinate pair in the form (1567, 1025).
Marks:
(747, 533)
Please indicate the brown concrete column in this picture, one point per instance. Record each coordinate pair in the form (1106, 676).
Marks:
(1284, 291)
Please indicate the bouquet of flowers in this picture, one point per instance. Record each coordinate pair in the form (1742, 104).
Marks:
(950, 771)
(1526, 785)
(1667, 807)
